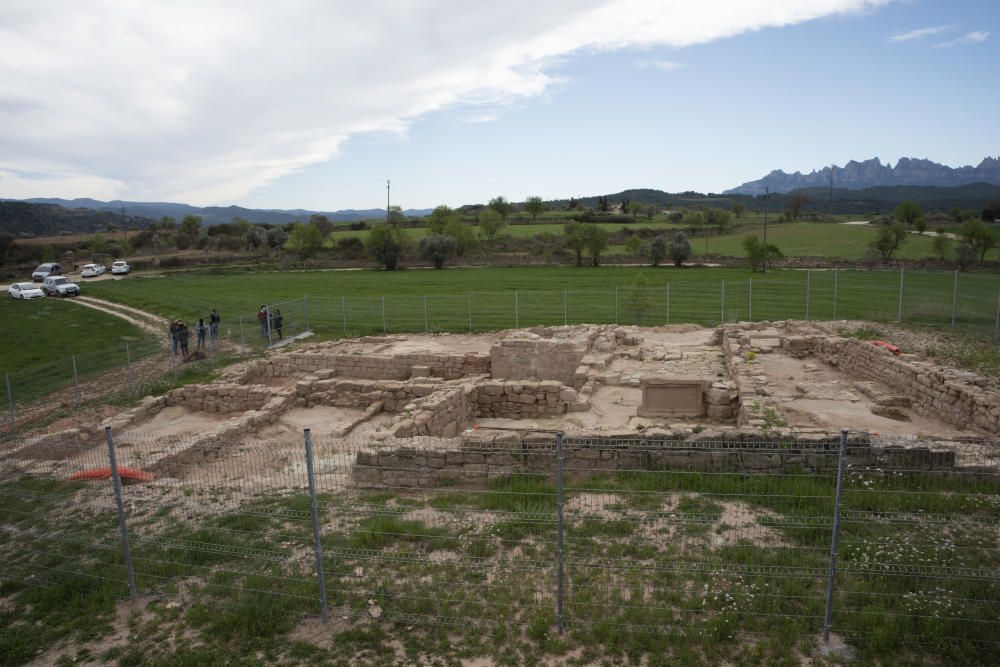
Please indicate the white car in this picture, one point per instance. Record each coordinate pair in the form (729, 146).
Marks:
(25, 291)
(92, 270)
(120, 267)
(60, 286)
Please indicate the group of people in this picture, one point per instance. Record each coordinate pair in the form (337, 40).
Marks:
(270, 322)
(180, 334)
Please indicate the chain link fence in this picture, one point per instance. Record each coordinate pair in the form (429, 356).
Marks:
(890, 544)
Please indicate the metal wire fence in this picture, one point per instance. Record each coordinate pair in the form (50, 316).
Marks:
(889, 543)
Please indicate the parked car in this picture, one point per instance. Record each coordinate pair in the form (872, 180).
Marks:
(120, 267)
(45, 270)
(25, 291)
(60, 286)
(92, 270)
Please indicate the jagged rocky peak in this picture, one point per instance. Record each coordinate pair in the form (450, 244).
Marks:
(871, 173)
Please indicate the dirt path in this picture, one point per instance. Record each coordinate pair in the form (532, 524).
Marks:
(147, 322)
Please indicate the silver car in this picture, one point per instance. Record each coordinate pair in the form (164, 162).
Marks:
(25, 291)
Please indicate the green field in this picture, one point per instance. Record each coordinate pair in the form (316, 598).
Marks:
(45, 333)
(556, 294)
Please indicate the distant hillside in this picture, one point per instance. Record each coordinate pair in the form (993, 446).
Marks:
(49, 219)
(872, 173)
(214, 215)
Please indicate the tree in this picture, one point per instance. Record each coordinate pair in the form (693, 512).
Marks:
(166, 224)
(465, 238)
(679, 249)
(739, 209)
(966, 257)
(921, 224)
(396, 215)
(575, 240)
(191, 225)
(637, 300)
(941, 244)
(717, 218)
(437, 248)
(908, 212)
(440, 217)
(650, 212)
(796, 201)
(276, 237)
(255, 237)
(322, 223)
(633, 245)
(387, 244)
(573, 203)
(534, 206)
(888, 240)
(635, 208)
(304, 239)
(602, 204)
(675, 217)
(758, 253)
(501, 206)
(490, 222)
(595, 239)
(658, 248)
(981, 238)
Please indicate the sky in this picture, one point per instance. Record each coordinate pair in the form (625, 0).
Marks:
(314, 104)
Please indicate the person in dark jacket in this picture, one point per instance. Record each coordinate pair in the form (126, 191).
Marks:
(262, 318)
(183, 335)
(174, 342)
(201, 329)
(277, 321)
(214, 320)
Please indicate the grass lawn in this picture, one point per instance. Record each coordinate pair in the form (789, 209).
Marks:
(43, 333)
(698, 295)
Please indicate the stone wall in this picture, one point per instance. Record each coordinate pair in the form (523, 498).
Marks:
(407, 467)
(960, 398)
(373, 366)
(516, 400)
(531, 357)
(219, 398)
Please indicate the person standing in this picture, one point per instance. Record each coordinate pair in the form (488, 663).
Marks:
(262, 318)
(277, 321)
(183, 335)
(173, 336)
(201, 330)
(214, 320)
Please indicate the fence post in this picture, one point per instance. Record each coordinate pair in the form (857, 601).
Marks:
(808, 286)
(305, 311)
(560, 467)
(76, 380)
(954, 298)
(385, 329)
(343, 312)
(836, 533)
(750, 299)
(10, 405)
(426, 319)
(116, 482)
(723, 290)
(267, 321)
(616, 304)
(668, 303)
(899, 312)
(470, 311)
(565, 308)
(996, 337)
(128, 366)
(836, 285)
(517, 318)
(315, 525)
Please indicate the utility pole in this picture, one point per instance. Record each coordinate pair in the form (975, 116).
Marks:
(829, 204)
(767, 192)
(388, 213)
(124, 222)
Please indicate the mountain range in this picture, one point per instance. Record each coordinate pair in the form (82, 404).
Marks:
(214, 215)
(872, 173)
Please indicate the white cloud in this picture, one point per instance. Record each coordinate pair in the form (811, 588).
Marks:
(920, 33)
(662, 65)
(974, 37)
(203, 102)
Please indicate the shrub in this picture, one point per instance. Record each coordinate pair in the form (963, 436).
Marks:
(437, 249)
